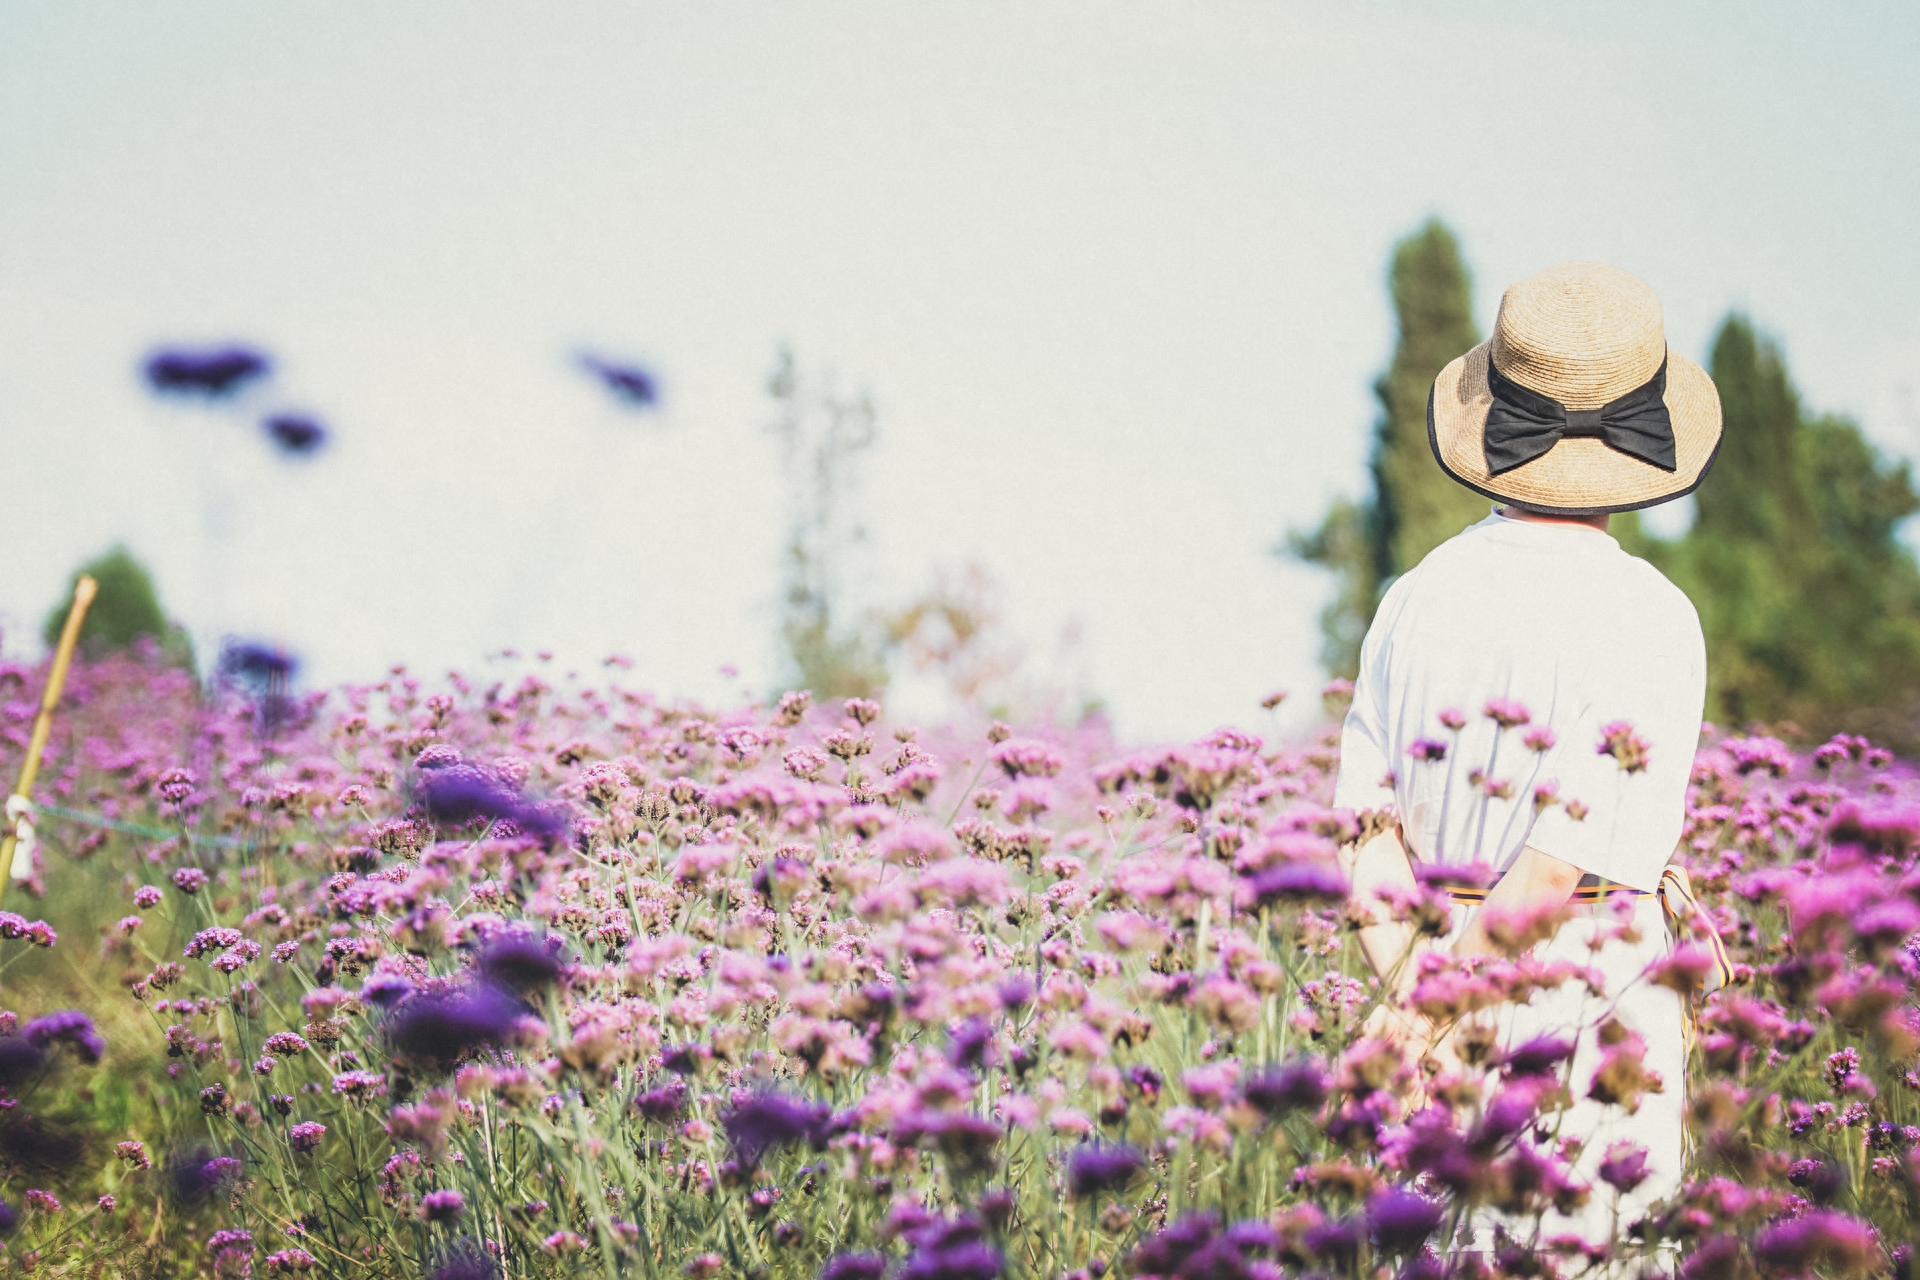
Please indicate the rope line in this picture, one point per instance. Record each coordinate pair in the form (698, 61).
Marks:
(135, 829)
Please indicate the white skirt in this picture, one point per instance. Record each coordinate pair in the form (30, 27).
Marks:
(1656, 1013)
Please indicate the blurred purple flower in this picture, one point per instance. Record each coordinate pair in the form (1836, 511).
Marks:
(1300, 1085)
(662, 1104)
(256, 663)
(1335, 1243)
(1168, 1251)
(629, 383)
(295, 434)
(954, 1249)
(971, 1043)
(1625, 1166)
(384, 990)
(1401, 1219)
(768, 1121)
(442, 1029)
(1538, 1056)
(1092, 1170)
(210, 371)
(854, 1266)
(521, 962)
(464, 1260)
(1820, 1237)
(459, 794)
(69, 1027)
(1298, 882)
(442, 1206)
(197, 1176)
(20, 1060)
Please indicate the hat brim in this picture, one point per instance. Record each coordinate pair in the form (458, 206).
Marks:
(1582, 476)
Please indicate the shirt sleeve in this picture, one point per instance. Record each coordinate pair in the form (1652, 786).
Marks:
(1366, 767)
(1614, 820)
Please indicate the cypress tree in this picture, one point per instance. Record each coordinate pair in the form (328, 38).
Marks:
(125, 608)
(1810, 603)
(1414, 506)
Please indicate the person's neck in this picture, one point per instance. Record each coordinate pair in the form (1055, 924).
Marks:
(1597, 523)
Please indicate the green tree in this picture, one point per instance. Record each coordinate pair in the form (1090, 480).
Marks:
(125, 608)
(1810, 603)
(1414, 505)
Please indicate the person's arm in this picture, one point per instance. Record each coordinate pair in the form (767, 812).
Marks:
(1535, 881)
(1382, 863)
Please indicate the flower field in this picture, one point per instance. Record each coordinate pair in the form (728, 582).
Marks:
(547, 977)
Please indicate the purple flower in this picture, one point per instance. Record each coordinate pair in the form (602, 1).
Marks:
(384, 990)
(460, 794)
(464, 1260)
(1538, 1056)
(20, 1060)
(146, 896)
(521, 963)
(1819, 1237)
(189, 879)
(1300, 1085)
(1401, 1219)
(971, 1043)
(230, 1239)
(198, 1176)
(256, 663)
(1428, 750)
(209, 371)
(954, 1249)
(296, 434)
(854, 1266)
(1168, 1251)
(662, 1104)
(442, 1029)
(1298, 882)
(768, 1121)
(442, 1206)
(70, 1027)
(1092, 1170)
(1625, 1167)
(1335, 1243)
(306, 1137)
(629, 383)
(1015, 992)
(1506, 713)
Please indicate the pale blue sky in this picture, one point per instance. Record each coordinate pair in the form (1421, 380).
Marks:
(1113, 273)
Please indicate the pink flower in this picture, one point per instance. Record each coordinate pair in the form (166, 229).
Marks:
(1506, 713)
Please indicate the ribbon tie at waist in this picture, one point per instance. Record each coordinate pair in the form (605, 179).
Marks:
(1683, 914)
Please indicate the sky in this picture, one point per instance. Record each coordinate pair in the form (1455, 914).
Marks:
(1112, 274)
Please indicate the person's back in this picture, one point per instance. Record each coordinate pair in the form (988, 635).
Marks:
(1529, 697)
(1557, 623)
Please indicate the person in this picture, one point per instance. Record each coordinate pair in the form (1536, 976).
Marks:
(1529, 698)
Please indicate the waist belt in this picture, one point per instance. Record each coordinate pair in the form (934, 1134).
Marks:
(1677, 904)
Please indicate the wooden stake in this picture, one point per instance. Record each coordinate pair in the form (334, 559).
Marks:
(21, 823)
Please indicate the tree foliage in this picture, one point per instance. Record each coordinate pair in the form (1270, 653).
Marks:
(1810, 603)
(125, 608)
(1414, 505)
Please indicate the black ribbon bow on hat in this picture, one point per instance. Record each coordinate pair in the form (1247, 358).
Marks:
(1524, 424)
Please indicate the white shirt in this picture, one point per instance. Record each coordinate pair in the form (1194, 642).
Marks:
(1559, 619)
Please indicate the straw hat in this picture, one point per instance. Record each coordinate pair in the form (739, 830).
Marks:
(1585, 410)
